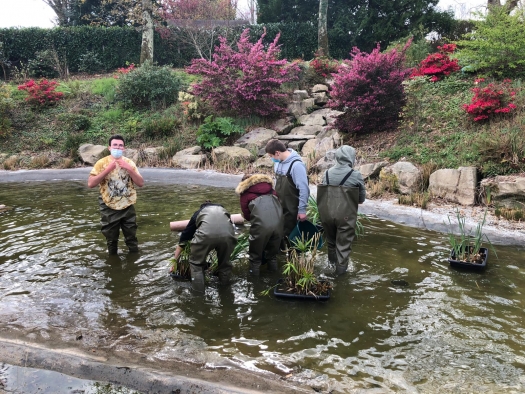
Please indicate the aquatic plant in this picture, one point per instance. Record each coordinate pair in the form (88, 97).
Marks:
(181, 267)
(238, 253)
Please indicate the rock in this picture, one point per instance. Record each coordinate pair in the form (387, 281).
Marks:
(299, 95)
(506, 189)
(194, 150)
(306, 130)
(312, 120)
(264, 162)
(290, 137)
(407, 176)
(283, 126)
(320, 98)
(458, 186)
(371, 170)
(308, 149)
(233, 154)
(90, 154)
(298, 108)
(256, 139)
(297, 144)
(319, 88)
(132, 154)
(188, 161)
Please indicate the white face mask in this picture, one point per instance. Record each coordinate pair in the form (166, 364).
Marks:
(116, 153)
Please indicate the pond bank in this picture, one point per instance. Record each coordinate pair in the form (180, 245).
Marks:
(499, 231)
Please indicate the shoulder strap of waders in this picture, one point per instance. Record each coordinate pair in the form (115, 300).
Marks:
(345, 178)
(291, 165)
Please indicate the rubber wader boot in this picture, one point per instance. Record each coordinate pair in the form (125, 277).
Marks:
(341, 269)
(332, 256)
(272, 265)
(112, 247)
(224, 280)
(197, 279)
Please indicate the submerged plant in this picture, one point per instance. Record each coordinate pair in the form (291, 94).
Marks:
(181, 267)
(466, 247)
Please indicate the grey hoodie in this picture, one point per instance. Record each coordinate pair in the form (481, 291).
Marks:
(345, 158)
(299, 177)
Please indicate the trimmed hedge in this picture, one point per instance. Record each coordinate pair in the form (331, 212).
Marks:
(116, 46)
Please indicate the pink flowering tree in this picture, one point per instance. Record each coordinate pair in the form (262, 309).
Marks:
(245, 81)
(491, 100)
(437, 65)
(368, 89)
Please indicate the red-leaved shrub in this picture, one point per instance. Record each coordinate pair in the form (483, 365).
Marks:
(368, 88)
(245, 81)
(493, 99)
(437, 64)
(323, 65)
(42, 93)
(124, 70)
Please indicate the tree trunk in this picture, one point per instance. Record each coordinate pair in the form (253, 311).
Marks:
(146, 49)
(322, 29)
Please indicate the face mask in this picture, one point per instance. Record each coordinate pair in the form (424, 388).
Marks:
(276, 160)
(116, 153)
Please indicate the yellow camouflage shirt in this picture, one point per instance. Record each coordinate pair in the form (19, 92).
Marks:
(117, 188)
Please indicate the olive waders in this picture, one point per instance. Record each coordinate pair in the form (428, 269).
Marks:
(113, 220)
(266, 232)
(289, 198)
(214, 232)
(337, 207)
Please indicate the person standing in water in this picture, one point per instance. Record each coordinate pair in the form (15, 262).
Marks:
(342, 189)
(291, 184)
(261, 207)
(117, 176)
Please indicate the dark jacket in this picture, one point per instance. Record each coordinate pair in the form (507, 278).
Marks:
(251, 188)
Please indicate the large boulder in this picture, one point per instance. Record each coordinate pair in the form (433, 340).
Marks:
(283, 126)
(457, 186)
(306, 130)
(407, 176)
(256, 139)
(188, 161)
(193, 150)
(231, 154)
(506, 189)
(264, 162)
(90, 154)
(298, 108)
(132, 154)
(319, 88)
(312, 120)
(371, 170)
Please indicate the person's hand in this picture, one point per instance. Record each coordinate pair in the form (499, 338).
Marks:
(171, 269)
(111, 166)
(124, 164)
(301, 217)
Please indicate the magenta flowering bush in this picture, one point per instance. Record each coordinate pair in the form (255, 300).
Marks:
(245, 81)
(491, 100)
(368, 88)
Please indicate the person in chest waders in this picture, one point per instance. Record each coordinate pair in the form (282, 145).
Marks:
(342, 189)
(210, 228)
(260, 206)
(291, 184)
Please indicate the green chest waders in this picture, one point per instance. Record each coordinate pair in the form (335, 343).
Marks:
(289, 197)
(337, 207)
(214, 232)
(266, 232)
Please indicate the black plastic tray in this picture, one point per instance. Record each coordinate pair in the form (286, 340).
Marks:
(289, 295)
(462, 264)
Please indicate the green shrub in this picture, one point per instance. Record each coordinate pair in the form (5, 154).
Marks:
(160, 125)
(148, 86)
(43, 65)
(90, 63)
(213, 133)
(6, 104)
(72, 143)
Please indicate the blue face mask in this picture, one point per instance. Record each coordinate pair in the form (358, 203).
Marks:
(275, 160)
(116, 153)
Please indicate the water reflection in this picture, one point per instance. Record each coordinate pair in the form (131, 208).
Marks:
(448, 329)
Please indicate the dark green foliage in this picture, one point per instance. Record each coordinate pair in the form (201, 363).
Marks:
(43, 65)
(75, 122)
(148, 86)
(90, 63)
(72, 143)
(213, 132)
(160, 125)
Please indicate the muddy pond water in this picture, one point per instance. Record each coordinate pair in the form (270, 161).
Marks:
(401, 320)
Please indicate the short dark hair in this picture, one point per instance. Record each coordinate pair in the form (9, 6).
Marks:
(274, 146)
(116, 137)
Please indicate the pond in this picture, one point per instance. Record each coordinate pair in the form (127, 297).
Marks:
(401, 320)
